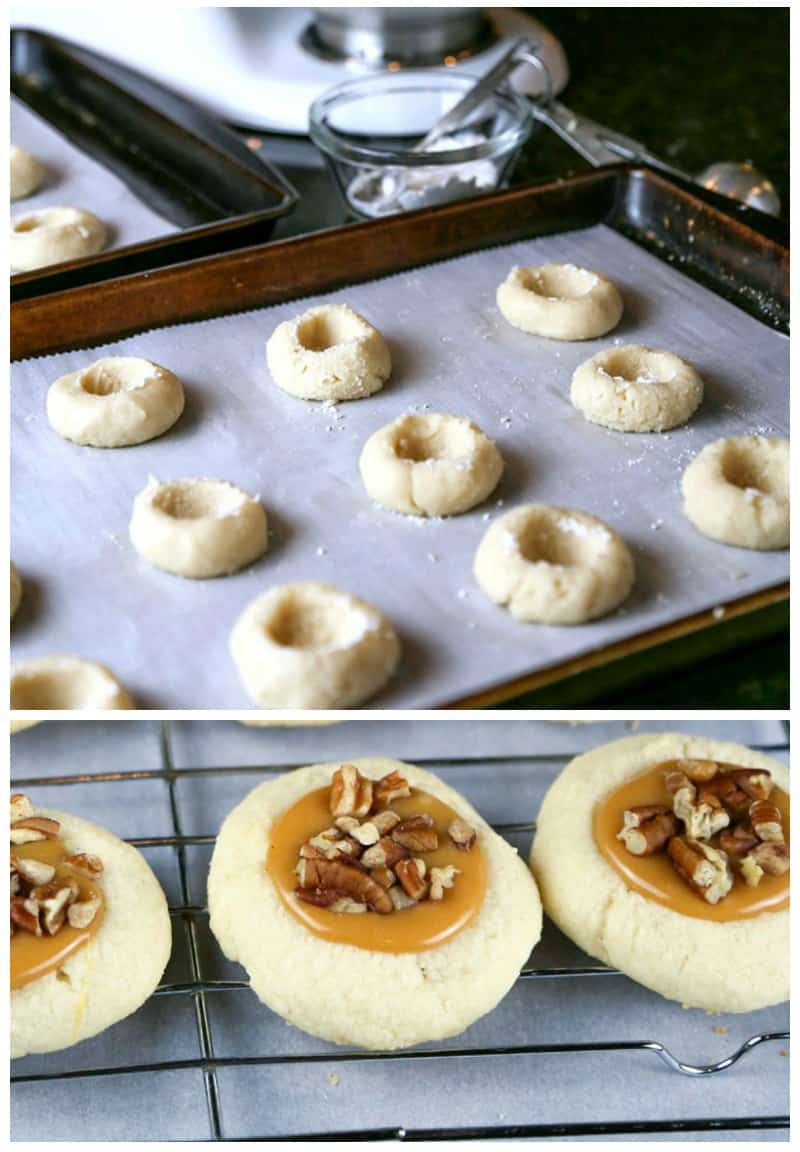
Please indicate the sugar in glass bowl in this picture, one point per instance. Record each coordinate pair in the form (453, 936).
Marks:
(367, 130)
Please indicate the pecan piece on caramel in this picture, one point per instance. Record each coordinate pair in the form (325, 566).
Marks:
(698, 771)
(738, 840)
(725, 791)
(703, 868)
(702, 818)
(767, 821)
(385, 821)
(391, 787)
(756, 782)
(646, 828)
(384, 854)
(53, 900)
(399, 899)
(441, 878)
(85, 865)
(351, 793)
(32, 828)
(25, 915)
(348, 881)
(411, 874)
(82, 912)
(417, 834)
(462, 834)
(31, 871)
(767, 857)
(383, 876)
(21, 807)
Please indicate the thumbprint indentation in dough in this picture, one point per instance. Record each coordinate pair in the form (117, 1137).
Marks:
(558, 281)
(110, 375)
(198, 499)
(326, 622)
(565, 540)
(753, 471)
(419, 440)
(328, 327)
(637, 366)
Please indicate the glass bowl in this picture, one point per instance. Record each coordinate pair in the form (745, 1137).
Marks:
(367, 129)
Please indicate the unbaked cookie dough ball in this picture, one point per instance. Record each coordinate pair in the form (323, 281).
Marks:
(27, 173)
(309, 645)
(426, 933)
(91, 933)
(65, 682)
(430, 465)
(560, 301)
(329, 353)
(636, 389)
(16, 591)
(688, 897)
(736, 490)
(115, 402)
(551, 565)
(53, 236)
(198, 528)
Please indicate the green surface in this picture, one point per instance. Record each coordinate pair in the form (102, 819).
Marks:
(695, 86)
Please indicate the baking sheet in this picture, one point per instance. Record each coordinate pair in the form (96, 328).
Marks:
(75, 180)
(335, 1095)
(167, 638)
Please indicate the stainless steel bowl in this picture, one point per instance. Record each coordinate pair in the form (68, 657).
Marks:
(378, 37)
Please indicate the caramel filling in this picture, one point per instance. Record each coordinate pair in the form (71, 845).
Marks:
(426, 925)
(655, 877)
(35, 956)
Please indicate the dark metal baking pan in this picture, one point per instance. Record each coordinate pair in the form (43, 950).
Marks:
(724, 249)
(174, 156)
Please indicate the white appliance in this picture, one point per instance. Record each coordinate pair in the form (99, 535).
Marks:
(258, 66)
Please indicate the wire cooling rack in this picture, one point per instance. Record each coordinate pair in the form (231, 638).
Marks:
(604, 1059)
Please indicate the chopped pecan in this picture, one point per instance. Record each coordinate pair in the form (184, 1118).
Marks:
(400, 900)
(462, 834)
(391, 787)
(418, 834)
(646, 828)
(768, 857)
(767, 821)
(351, 793)
(346, 823)
(411, 874)
(82, 912)
(33, 872)
(701, 818)
(703, 868)
(53, 899)
(321, 897)
(32, 828)
(21, 807)
(85, 864)
(366, 834)
(383, 876)
(442, 878)
(738, 840)
(347, 880)
(756, 782)
(698, 771)
(725, 791)
(385, 821)
(25, 915)
(384, 854)
(345, 904)
(330, 845)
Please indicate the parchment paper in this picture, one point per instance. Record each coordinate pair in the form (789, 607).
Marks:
(167, 638)
(272, 1100)
(75, 180)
